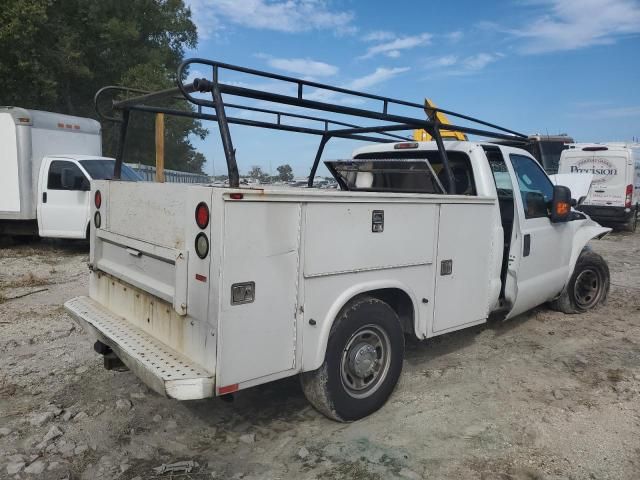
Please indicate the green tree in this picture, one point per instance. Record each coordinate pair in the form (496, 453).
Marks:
(256, 173)
(55, 54)
(285, 173)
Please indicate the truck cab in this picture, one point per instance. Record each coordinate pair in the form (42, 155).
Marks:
(539, 254)
(64, 183)
(47, 161)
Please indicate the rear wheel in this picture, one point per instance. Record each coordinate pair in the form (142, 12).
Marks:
(588, 286)
(632, 224)
(362, 363)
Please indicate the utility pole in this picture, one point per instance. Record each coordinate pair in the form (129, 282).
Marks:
(160, 147)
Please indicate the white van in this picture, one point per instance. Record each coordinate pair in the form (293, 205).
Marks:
(614, 196)
(46, 163)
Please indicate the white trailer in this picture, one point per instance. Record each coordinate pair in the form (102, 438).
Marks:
(47, 161)
(205, 291)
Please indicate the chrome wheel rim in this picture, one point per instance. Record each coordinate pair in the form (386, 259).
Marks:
(365, 361)
(588, 288)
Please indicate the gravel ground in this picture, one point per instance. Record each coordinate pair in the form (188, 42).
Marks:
(543, 396)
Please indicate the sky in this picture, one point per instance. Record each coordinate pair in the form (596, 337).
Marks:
(534, 66)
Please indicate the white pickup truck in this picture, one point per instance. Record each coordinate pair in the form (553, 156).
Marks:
(47, 161)
(204, 291)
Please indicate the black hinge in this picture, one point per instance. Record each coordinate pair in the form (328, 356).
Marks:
(44, 197)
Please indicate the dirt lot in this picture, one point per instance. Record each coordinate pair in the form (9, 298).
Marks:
(544, 396)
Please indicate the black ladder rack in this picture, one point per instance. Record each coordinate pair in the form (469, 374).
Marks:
(327, 128)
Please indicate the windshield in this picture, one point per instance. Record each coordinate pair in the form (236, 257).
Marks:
(103, 170)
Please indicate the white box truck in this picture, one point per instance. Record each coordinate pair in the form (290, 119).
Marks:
(614, 196)
(203, 291)
(47, 161)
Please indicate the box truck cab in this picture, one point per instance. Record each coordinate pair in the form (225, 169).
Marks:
(47, 161)
(614, 196)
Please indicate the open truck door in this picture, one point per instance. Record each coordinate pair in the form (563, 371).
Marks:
(538, 259)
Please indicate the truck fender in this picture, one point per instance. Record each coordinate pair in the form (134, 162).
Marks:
(315, 346)
(586, 232)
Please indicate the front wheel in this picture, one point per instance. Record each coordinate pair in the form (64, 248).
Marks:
(588, 286)
(362, 363)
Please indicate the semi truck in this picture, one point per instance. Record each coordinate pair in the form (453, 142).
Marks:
(204, 291)
(47, 162)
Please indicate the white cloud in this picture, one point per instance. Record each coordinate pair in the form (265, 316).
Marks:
(575, 24)
(193, 74)
(454, 37)
(444, 61)
(302, 66)
(280, 15)
(393, 47)
(620, 112)
(379, 36)
(480, 60)
(454, 65)
(381, 74)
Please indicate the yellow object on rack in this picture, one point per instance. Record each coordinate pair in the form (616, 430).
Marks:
(422, 135)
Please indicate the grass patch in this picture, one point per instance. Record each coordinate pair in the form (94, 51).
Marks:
(28, 280)
(615, 375)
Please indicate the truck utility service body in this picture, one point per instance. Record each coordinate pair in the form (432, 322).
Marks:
(614, 196)
(204, 291)
(47, 161)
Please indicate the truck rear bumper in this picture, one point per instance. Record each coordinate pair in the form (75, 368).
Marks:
(607, 214)
(160, 367)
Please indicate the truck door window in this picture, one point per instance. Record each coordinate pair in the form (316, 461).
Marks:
(535, 187)
(54, 181)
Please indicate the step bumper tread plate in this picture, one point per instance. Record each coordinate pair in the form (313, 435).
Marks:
(160, 367)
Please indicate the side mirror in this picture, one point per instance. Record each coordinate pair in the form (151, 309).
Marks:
(561, 204)
(67, 179)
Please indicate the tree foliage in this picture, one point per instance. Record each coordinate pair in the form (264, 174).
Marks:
(285, 173)
(55, 54)
(257, 174)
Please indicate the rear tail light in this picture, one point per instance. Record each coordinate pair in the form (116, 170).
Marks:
(595, 149)
(202, 215)
(202, 245)
(628, 196)
(406, 145)
(98, 199)
(97, 220)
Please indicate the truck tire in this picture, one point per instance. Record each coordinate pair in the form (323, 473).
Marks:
(588, 286)
(362, 364)
(632, 223)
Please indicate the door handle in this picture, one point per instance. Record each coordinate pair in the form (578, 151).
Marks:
(526, 250)
(44, 197)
